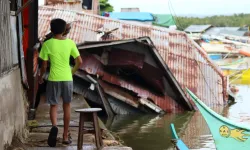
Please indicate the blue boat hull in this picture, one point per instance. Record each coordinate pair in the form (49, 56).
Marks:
(179, 143)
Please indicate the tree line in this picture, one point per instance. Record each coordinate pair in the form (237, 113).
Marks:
(236, 20)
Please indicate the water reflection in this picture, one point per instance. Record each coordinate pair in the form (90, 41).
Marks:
(240, 111)
(149, 132)
(152, 132)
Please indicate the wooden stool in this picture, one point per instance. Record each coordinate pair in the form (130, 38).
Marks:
(89, 114)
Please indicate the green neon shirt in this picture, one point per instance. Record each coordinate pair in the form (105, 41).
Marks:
(59, 52)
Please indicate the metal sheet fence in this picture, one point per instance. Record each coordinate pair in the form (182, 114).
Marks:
(6, 60)
(187, 61)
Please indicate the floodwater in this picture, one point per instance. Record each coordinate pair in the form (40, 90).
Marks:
(153, 132)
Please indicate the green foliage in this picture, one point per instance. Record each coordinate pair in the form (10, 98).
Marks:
(237, 20)
(105, 6)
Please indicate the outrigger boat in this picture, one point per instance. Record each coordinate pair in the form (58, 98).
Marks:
(179, 144)
(234, 69)
(227, 135)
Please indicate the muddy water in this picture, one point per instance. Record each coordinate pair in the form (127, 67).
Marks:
(153, 133)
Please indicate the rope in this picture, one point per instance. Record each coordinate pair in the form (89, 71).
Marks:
(175, 16)
(205, 79)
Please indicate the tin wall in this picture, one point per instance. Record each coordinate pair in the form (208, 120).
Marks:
(6, 56)
(187, 61)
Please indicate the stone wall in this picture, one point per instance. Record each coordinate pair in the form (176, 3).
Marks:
(12, 107)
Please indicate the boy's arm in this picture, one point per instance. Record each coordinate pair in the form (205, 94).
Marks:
(42, 71)
(78, 60)
(45, 57)
(78, 63)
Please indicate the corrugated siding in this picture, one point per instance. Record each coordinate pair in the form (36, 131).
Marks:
(188, 62)
(6, 61)
(92, 66)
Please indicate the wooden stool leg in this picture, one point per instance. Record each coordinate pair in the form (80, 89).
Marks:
(80, 132)
(97, 131)
(100, 134)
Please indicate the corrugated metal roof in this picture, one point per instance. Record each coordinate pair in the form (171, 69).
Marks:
(197, 28)
(92, 66)
(234, 33)
(187, 61)
(136, 16)
(130, 9)
(172, 88)
(224, 30)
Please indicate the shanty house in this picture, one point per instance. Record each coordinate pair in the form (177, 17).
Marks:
(195, 31)
(188, 63)
(130, 72)
(197, 28)
(88, 6)
(234, 31)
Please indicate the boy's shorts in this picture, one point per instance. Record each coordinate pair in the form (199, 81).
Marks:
(57, 89)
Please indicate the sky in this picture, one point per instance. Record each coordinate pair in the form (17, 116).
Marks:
(198, 8)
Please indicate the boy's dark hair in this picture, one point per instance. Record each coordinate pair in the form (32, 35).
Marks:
(57, 26)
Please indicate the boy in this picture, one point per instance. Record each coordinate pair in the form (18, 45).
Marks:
(41, 88)
(60, 82)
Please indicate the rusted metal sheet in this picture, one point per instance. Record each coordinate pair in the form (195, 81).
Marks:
(120, 94)
(149, 73)
(92, 65)
(186, 60)
(128, 59)
(152, 76)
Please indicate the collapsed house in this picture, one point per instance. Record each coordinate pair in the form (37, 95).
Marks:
(187, 62)
(129, 72)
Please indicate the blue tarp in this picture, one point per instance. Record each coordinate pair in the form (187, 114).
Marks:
(135, 16)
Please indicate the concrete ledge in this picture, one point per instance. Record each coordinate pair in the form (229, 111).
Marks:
(85, 147)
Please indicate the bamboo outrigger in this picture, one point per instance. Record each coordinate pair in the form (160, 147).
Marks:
(179, 144)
